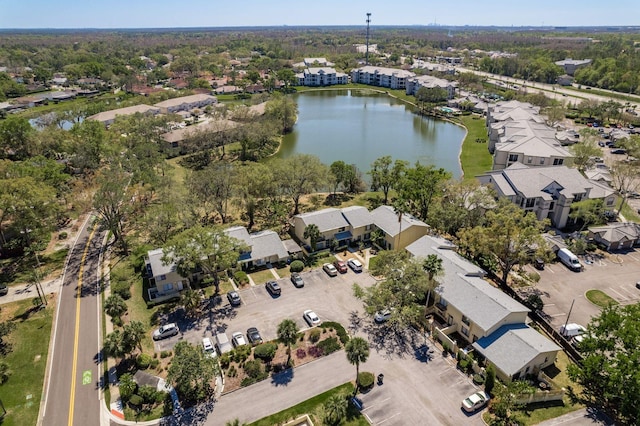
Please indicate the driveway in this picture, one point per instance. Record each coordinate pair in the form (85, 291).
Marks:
(614, 274)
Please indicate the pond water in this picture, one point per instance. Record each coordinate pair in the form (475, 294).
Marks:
(358, 127)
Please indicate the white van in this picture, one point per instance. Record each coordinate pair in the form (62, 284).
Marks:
(571, 330)
(569, 259)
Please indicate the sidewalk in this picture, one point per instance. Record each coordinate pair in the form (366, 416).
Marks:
(28, 291)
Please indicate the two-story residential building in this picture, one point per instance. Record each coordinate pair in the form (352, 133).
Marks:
(549, 192)
(108, 117)
(261, 248)
(164, 280)
(323, 76)
(354, 224)
(430, 82)
(186, 103)
(392, 78)
(532, 151)
(492, 322)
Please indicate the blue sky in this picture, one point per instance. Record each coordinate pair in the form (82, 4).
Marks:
(217, 13)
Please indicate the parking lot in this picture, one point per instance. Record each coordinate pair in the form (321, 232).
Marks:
(419, 388)
(614, 274)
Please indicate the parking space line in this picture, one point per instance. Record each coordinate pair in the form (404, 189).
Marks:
(558, 315)
(629, 294)
(549, 269)
(633, 257)
(622, 296)
(388, 418)
(377, 403)
(549, 304)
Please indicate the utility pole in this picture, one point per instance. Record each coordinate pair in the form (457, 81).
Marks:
(564, 329)
(366, 58)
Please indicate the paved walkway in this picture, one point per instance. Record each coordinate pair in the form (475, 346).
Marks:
(584, 416)
(28, 291)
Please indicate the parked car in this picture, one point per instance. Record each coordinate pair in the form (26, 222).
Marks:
(475, 402)
(355, 265)
(223, 345)
(165, 331)
(237, 339)
(297, 280)
(274, 288)
(602, 143)
(638, 285)
(619, 151)
(234, 298)
(310, 317)
(207, 348)
(571, 330)
(330, 269)
(3, 289)
(341, 266)
(382, 316)
(254, 336)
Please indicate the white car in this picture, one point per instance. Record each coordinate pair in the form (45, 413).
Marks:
(238, 339)
(475, 402)
(207, 348)
(355, 265)
(382, 316)
(310, 317)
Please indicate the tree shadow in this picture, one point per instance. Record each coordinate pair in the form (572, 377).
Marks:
(392, 341)
(193, 416)
(283, 378)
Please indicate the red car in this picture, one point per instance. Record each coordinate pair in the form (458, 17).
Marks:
(340, 266)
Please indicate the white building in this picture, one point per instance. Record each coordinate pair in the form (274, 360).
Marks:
(379, 76)
(323, 76)
(415, 83)
(186, 103)
(108, 117)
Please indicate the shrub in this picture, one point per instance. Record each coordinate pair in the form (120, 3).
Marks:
(301, 353)
(365, 379)
(342, 333)
(143, 361)
(315, 351)
(121, 288)
(265, 351)
(154, 363)
(253, 368)
(127, 386)
(136, 400)
(241, 353)
(463, 364)
(329, 345)
(478, 379)
(296, 266)
(232, 372)
(62, 236)
(241, 277)
(165, 354)
(314, 335)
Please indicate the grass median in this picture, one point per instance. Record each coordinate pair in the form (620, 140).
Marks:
(475, 158)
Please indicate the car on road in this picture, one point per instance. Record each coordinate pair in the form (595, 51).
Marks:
(234, 298)
(475, 402)
(3, 289)
(165, 331)
(382, 316)
(310, 317)
(207, 348)
(355, 265)
(619, 151)
(341, 266)
(254, 336)
(237, 339)
(273, 288)
(297, 280)
(330, 269)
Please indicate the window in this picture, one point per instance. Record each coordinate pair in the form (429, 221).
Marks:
(466, 320)
(163, 277)
(513, 157)
(529, 160)
(530, 202)
(578, 197)
(552, 205)
(558, 161)
(542, 161)
(465, 331)
(610, 202)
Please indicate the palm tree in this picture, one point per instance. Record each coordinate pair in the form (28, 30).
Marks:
(115, 306)
(114, 345)
(335, 409)
(432, 265)
(288, 334)
(134, 332)
(357, 351)
(313, 234)
(191, 300)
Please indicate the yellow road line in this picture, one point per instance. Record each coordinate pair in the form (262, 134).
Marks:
(74, 369)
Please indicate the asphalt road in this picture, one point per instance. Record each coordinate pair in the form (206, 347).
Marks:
(72, 392)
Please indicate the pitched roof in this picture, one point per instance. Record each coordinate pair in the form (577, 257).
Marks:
(483, 304)
(357, 216)
(385, 218)
(326, 219)
(185, 100)
(111, 115)
(513, 346)
(452, 262)
(239, 233)
(213, 126)
(157, 266)
(266, 244)
(617, 231)
(534, 146)
(370, 69)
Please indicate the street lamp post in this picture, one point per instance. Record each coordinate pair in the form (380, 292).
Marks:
(564, 329)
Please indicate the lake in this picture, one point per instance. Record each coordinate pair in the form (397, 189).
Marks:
(358, 127)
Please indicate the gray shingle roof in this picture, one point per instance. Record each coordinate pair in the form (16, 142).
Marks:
(513, 346)
(483, 304)
(157, 267)
(326, 220)
(240, 233)
(357, 216)
(452, 262)
(266, 244)
(385, 218)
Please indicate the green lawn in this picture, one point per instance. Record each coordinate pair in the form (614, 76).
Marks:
(600, 298)
(262, 276)
(311, 406)
(27, 361)
(630, 213)
(475, 157)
